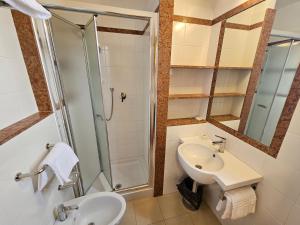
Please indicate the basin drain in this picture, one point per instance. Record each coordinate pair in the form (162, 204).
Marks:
(91, 223)
(198, 167)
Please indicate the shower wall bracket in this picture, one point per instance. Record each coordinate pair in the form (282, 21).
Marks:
(123, 96)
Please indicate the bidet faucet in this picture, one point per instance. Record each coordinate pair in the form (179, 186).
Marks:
(221, 143)
(60, 212)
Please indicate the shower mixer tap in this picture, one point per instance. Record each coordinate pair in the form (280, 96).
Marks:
(123, 96)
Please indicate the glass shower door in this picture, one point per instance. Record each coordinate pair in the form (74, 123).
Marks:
(93, 56)
(72, 80)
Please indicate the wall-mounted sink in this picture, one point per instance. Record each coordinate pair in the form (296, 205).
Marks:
(102, 208)
(201, 161)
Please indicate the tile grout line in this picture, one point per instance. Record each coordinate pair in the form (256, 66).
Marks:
(186, 213)
(134, 213)
(164, 219)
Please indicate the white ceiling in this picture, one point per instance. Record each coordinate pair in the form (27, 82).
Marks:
(148, 5)
(287, 16)
(284, 3)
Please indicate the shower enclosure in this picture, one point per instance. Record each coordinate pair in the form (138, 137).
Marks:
(281, 62)
(102, 84)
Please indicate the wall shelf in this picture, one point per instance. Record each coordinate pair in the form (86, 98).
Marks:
(184, 121)
(210, 67)
(229, 94)
(187, 96)
(226, 117)
(234, 68)
(191, 67)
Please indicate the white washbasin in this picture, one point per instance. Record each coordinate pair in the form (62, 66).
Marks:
(102, 208)
(200, 160)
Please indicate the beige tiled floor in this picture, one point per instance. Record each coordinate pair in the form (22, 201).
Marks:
(166, 210)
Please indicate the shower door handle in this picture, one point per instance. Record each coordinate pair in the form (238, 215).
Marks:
(262, 106)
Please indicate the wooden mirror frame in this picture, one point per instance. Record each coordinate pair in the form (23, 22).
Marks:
(290, 104)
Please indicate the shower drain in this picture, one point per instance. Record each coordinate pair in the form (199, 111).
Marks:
(118, 186)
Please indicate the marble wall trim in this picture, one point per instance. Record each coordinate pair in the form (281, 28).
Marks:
(287, 114)
(216, 70)
(239, 26)
(257, 67)
(164, 59)
(32, 60)
(13, 130)
(186, 19)
(256, 25)
(240, 8)
(200, 21)
(184, 121)
(117, 30)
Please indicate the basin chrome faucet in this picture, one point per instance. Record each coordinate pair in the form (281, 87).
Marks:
(61, 211)
(221, 143)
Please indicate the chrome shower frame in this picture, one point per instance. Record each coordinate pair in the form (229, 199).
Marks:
(110, 11)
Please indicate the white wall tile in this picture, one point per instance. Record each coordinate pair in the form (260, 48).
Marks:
(190, 81)
(19, 204)
(294, 216)
(178, 34)
(197, 35)
(282, 177)
(16, 96)
(194, 8)
(194, 55)
(176, 132)
(273, 201)
(173, 171)
(126, 66)
(177, 56)
(187, 108)
(262, 217)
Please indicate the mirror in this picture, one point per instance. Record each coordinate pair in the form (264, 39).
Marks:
(248, 101)
(241, 37)
(281, 62)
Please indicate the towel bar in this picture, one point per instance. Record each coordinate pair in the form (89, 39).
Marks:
(19, 176)
(222, 194)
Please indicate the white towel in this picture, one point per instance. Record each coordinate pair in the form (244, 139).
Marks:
(61, 159)
(30, 7)
(220, 205)
(228, 208)
(239, 203)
